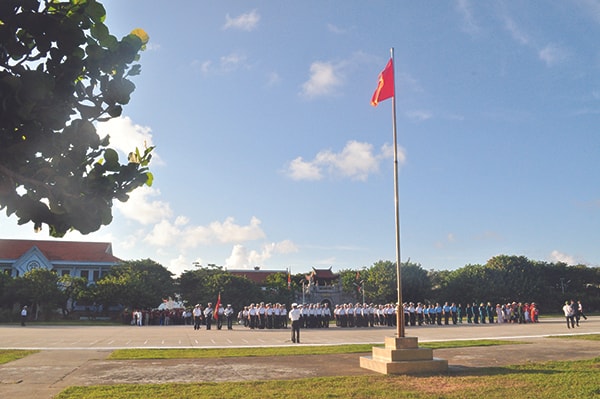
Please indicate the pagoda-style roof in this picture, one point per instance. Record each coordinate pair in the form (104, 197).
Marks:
(322, 274)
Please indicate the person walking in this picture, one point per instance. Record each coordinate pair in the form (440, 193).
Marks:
(294, 316)
(580, 308)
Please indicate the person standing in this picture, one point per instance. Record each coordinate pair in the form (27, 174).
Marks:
(219, 313)
(228, 312)
(294, 316)
(469, 311)
(569, 315)
(23, 315)
(208, 315)
(197, 315)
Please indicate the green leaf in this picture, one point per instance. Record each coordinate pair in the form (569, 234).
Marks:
(95, 11)
(149, 179)
(111, 159)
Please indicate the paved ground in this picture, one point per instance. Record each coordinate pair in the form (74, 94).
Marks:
(77, 355)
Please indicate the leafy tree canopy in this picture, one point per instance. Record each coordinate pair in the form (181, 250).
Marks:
(136, 284)
(61, 71)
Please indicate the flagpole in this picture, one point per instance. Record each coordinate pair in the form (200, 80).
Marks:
(399, 309)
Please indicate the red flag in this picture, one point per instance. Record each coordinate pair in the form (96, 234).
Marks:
(216, 310)
(289, 280)
(385, 85)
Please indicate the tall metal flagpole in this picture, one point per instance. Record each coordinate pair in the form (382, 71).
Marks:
(399, 308)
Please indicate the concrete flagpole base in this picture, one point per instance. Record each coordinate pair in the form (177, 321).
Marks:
(402, 355)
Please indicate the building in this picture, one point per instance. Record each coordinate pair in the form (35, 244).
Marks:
(325, 287)
(90, 260)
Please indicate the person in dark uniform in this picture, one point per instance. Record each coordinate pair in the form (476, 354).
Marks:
(446, 310)
(475, 313)
(469, 311)
(482, 312)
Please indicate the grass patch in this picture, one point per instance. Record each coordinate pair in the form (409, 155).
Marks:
(577, 379)
(10, 355)
(587, 337)
(197, 353)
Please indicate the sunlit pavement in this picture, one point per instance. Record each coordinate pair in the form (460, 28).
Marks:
(116, 337)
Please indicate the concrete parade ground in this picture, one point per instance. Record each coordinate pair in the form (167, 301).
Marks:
(77, 355)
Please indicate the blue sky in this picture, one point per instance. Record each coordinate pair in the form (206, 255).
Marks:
(269, 153)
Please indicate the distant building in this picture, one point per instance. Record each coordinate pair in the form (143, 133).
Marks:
(323, 286)
(90, 260)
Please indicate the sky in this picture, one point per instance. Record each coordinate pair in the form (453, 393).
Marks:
(268, 152)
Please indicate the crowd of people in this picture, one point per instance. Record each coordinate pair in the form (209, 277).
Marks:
(316, 315)
(419, 314)
(264, 316)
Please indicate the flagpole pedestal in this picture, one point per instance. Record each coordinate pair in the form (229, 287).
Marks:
(402, 355)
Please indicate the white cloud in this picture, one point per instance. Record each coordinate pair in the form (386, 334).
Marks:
(180, 264)
(449, 239)
(232, 61)
(419, 115)
(179, 233)
(247, 22)
(552, 54)
(302, 170)
(164, 234)
(357, 161)
(469, 24)
(557, 256)
(273, 79)
(227, 63)
(243, 258)
(516, 32)
(325, 78)
(229, 231)
(335, 29)
(142, 209)
(125, 136)
(591, 8)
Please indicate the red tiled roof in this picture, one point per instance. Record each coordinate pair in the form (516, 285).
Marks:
(77, 251)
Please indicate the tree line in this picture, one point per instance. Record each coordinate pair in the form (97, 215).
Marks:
(144, 284)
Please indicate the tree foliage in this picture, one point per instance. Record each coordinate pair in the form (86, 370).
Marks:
(39, 288)
(135, 284)
(203, 285)
(61, 71)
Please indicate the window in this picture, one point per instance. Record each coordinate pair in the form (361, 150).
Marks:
(85, 274)
(65, 272)
(96, 275)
